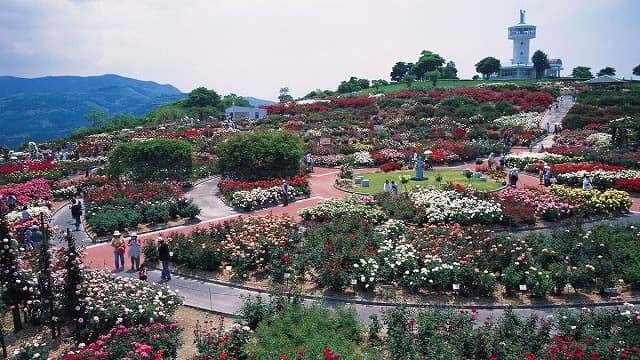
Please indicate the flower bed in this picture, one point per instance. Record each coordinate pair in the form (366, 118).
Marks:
(28, 166)
(228, 187)
(437, 206)
(546, 206)
(31, 191)
(558, 169)
(599, 178)
(156, 340)
(117, 206)
(248, 195)
(630, 185)
(352, 207)
(390, 166)
(248, 200)
(255, 242)
(594, 201)
(522, 160)
(527, 120)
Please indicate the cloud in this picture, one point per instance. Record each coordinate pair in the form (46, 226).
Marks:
(253, 47)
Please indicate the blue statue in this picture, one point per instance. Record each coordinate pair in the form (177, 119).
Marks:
(419, 165)
(521, 16)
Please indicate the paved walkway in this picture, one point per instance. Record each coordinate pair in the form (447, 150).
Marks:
(226, 297)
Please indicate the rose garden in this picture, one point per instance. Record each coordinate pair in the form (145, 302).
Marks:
(444, 242)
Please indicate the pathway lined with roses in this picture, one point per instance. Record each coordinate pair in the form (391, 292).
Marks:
(225, 298)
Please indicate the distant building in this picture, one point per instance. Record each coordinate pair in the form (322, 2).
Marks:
(606, 82)
(521, 66)
(239, 112)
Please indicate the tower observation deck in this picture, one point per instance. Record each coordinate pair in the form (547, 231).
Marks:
(521, 34)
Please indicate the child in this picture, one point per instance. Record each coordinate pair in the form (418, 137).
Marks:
(142, 272)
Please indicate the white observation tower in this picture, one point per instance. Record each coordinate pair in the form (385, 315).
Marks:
(521, 34)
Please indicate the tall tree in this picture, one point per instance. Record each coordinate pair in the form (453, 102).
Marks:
(233, 99)
(636, 70)
(399, 70)
(428, 61)
(97, 118)
(607, 71)
(260, 155)
(488, 66)
(409, 79)
(540, 63)
(284, 95)
(432, 76)
(155, 159)
(450, 71)
(201, 97)
(582, 72)
(354, 84)
(377, 84)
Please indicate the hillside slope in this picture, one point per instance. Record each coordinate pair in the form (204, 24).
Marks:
(51, 107)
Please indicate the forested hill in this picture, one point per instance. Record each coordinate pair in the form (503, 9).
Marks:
(51, 107)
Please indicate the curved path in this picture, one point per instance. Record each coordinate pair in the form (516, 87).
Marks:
(226, 297)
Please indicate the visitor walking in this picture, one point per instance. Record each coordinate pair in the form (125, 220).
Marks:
(27, 240)
(503, 161)
(12, 201)
(541, 175)
(285, 193)
(586, 184)
(547, 175)
(76, 212)
(513, 177)
(490, 160)
(134, 251)
(118, 245)
(394, 188)
(164, 255)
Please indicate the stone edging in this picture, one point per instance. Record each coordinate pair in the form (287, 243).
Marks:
(360, 301)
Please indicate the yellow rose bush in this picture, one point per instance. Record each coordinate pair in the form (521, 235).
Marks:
(594, 201)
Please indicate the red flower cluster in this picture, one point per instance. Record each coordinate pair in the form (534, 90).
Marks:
(558, 169)
(630, 185)
(328, 355)
(31, 166)
(33, 190)
(525, 100)
(230, 186)
(355, 103)
(390, 166)
(138, 192)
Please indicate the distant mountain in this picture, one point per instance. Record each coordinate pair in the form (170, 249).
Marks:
(257, 102)
(52, 107)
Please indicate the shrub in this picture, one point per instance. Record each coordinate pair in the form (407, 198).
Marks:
(390, 166)
(318, 333)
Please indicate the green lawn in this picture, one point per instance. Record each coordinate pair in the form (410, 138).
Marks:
(442, 84)
(376, 180)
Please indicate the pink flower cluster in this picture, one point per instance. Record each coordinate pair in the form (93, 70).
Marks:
(33, 190)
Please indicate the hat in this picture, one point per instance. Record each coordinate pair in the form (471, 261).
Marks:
(160, 239)
(133, 234)
(116, 233)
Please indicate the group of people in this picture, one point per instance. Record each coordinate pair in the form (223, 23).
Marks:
(502, 161)
(544, 175)
(390, 188)
(133, 247)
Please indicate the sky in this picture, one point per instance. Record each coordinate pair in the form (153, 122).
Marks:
(254, 48)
